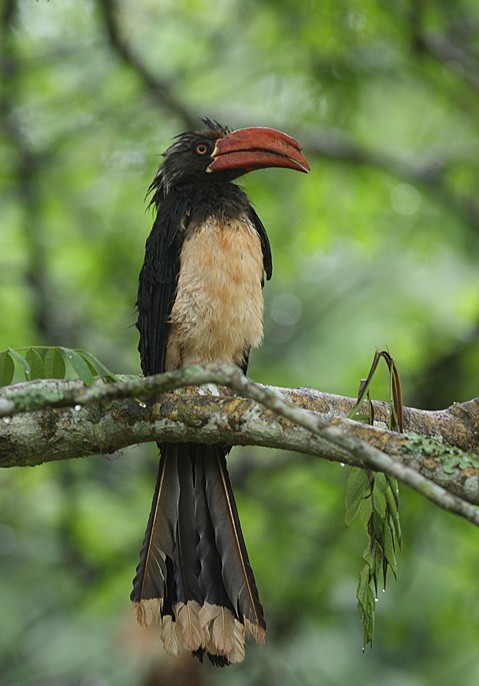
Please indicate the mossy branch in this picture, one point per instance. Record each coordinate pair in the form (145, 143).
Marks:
(53, 420)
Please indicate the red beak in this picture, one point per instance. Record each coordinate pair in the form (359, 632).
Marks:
(255, 148)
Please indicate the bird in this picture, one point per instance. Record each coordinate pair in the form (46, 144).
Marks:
(200, 301)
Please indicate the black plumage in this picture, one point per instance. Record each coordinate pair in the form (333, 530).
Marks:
(189, 202)
(194, 575)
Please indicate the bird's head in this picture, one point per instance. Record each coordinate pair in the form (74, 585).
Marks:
(225, 155)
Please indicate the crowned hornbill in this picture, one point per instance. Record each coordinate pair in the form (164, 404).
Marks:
(199, 301)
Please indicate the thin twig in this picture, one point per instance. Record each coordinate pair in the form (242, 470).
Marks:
(161, 89)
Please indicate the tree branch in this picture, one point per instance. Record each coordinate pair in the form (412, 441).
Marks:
(161, 89)
(53, 420)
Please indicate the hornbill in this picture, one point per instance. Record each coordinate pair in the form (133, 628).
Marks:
(200, 301)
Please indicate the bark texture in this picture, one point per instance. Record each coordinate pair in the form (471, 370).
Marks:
(55, 420)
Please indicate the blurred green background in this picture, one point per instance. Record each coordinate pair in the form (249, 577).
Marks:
(377, 247)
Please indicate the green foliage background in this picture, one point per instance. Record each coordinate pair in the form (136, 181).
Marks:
(376, 248)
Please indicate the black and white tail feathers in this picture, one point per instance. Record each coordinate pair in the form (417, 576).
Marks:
(194, 575)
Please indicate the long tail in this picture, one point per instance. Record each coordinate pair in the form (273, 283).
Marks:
(194, 574)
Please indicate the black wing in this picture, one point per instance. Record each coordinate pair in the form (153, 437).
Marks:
(267, 262)
(265, 246)
(157, 285)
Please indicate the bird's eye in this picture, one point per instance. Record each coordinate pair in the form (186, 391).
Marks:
(201, 149)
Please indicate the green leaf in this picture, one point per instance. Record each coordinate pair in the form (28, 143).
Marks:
(7, 368)
(365, 511)
(97, 366)
(393, 519)
(79, 365)
(357, 489)
(35, 362)
(22, 362)
(378, 524)
(384, 533)
(366, 605)
(54, 364)
(91, 366)
(379, 498)
(389, 553)
(393, 491)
